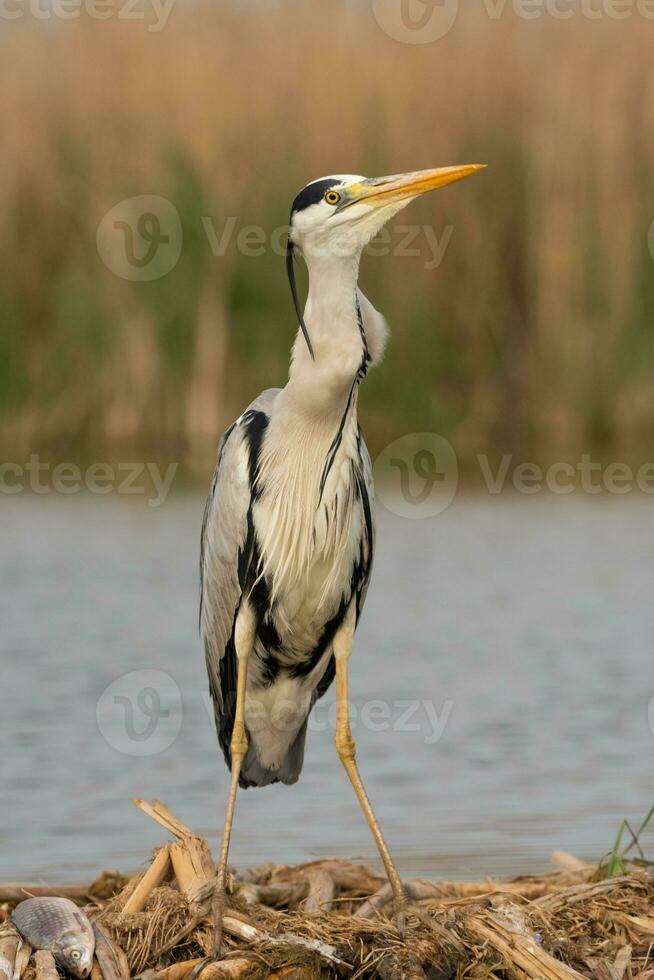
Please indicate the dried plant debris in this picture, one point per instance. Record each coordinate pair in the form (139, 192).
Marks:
(328, 919)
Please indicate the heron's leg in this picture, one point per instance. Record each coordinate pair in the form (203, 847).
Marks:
(346, 748)
(244, 638)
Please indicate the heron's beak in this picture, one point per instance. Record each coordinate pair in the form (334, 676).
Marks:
(380, 191)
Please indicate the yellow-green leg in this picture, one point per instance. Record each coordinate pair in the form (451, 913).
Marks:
(244, 637)
(346, 748)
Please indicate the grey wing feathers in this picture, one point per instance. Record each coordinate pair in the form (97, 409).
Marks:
(369, 515)
(224, 531)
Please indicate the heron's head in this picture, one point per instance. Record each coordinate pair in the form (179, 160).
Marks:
(335, 217)
(340, 214)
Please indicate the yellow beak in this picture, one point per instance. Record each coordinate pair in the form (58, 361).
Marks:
(380, 191)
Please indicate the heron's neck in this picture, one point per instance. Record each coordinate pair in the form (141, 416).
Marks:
(323, 384)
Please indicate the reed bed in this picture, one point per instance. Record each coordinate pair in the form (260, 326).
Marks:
(533, 332)
(327, 919)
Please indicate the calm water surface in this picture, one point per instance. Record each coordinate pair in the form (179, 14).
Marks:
(501, 680)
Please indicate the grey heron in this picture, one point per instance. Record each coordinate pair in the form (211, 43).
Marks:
(288, 532)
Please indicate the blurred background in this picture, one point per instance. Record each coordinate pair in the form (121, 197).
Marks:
(150, 154)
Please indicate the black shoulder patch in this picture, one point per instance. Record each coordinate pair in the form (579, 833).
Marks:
(313, 193)
(256, 423)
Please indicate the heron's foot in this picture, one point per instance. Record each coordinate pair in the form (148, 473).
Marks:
(399, 906)
(218, 938)
(220, 902)
(399, 919)
(393, 896)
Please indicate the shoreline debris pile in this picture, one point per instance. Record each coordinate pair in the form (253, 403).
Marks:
(326, 919)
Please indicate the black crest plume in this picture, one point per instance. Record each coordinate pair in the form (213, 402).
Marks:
(290, 268)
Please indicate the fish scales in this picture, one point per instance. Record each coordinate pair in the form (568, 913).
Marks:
(58, 925)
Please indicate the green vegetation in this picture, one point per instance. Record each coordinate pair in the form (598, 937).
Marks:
(621, 854)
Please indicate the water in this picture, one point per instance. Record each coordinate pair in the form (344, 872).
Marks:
(520, 629)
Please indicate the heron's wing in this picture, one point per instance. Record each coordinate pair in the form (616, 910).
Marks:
(367, 491)
(223, 546)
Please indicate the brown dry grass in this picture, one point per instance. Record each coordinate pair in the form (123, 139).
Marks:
(565, 925)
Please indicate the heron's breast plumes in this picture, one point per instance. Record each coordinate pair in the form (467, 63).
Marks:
(307, 524)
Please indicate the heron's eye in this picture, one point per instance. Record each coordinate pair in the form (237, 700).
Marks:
(332, 197)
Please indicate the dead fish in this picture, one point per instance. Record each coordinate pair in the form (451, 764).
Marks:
(58, 925)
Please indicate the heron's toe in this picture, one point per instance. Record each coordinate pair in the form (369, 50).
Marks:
(399, 919)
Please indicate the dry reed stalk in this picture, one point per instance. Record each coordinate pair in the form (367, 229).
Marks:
(106, 885)
(520, 952)
(287, 895)
(606, 970)
(23, 956)
(9, 943)
(194, 872)
(163, 816)
(321, 891)
(179, 971)
(46, 968)
(566, 897)
(109, 956)
(471, 891)
(238, 968)
(293, 973)
(193, 865)
(346, 875)
(152, 878)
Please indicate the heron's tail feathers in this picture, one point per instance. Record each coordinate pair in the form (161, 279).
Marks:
(254, 773)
